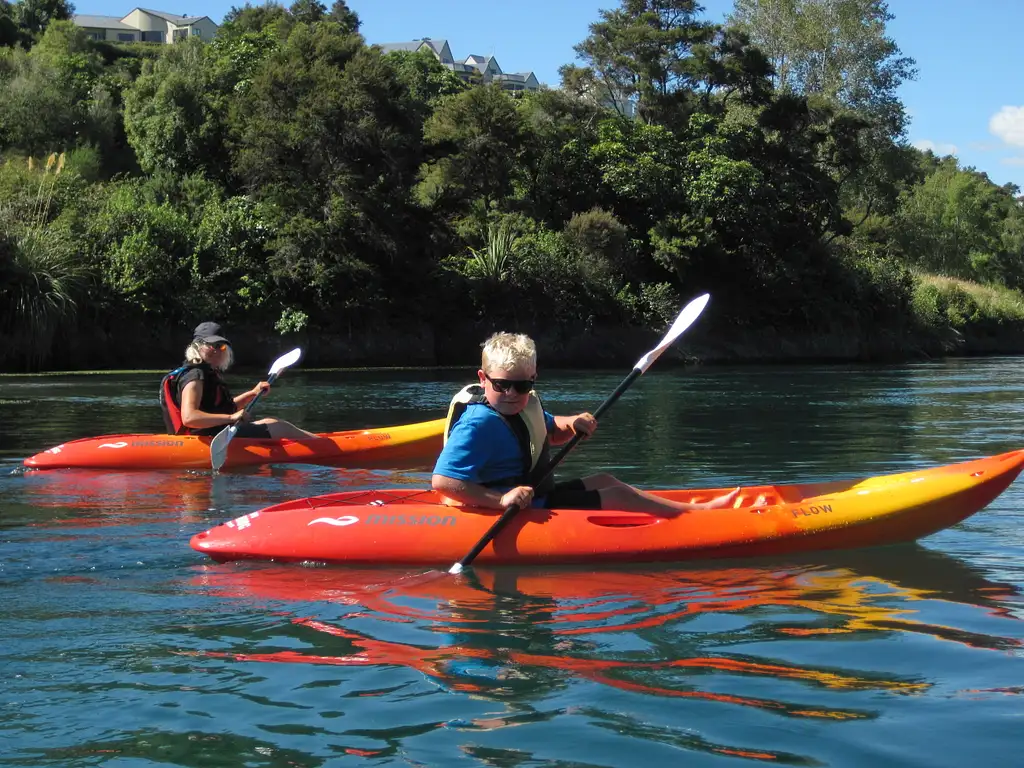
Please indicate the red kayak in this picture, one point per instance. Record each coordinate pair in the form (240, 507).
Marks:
(415, 527)
(400, 447)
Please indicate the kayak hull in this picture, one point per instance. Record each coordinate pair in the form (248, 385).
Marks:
(414, 528)
(404, 446)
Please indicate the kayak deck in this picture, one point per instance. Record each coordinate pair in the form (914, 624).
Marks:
(403, 527)
(403, 446)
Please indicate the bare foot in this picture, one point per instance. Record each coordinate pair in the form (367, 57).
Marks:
(718, 502)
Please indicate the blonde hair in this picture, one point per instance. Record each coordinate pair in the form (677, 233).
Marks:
(194, 355)
(504, 351)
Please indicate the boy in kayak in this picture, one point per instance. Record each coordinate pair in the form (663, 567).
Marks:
(498, 436)
(196, 401)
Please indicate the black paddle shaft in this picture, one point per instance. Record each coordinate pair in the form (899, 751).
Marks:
(509, 513)
(270, 380)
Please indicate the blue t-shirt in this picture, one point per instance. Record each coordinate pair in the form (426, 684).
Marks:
(482, 448)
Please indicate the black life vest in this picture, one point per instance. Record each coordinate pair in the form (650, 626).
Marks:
(216, 399)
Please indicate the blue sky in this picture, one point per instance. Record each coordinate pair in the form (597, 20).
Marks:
(968, 99)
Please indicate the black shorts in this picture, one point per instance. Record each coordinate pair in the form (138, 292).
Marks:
(571, 494)
(253, 431)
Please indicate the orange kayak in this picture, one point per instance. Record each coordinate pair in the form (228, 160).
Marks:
(405, 446)
(416, 528)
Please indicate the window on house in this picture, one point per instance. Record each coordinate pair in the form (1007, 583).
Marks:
(180, 34)
(96, 35)
(152, 37)
(196, 32)
(126, 37)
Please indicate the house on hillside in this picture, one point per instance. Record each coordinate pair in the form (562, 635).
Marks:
(147, 26)
(474, 68)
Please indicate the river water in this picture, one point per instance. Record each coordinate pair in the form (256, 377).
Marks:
(123, 647)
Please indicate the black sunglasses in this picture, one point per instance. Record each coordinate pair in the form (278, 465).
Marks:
(522, 386)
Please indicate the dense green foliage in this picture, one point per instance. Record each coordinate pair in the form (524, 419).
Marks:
(288, 175)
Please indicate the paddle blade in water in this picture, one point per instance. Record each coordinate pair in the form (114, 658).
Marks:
(219, 446)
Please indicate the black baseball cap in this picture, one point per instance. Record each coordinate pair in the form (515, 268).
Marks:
(209, 333)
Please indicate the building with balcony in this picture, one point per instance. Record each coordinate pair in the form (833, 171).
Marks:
(147, 26)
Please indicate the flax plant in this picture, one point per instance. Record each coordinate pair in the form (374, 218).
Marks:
(493, 262)
(40, 274)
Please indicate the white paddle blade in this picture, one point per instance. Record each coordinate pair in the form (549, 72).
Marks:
(219, 446)
(286, 360)
(685, 319)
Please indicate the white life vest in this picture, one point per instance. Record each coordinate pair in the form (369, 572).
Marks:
(532, 414)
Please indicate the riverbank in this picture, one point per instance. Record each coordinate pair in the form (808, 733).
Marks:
(397, 348)
(948, 318)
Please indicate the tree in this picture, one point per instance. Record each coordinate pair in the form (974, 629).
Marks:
(730, 65)
(174, 113)
(47, 93)
(559, 176)
(642, 166)
(427, 79)
(345, 17)
(484, 134)
(330, 140)
(9, 33)
(35, 15)
(643, 50)
(836, 48)
(307, 11)
(270, 17)
(957, 223)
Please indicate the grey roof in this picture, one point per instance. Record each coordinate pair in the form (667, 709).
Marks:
(480, 63)
(413, 45)
(389, 47)
(102, 22)
(517, 77)
(178, 19)
(437, 45)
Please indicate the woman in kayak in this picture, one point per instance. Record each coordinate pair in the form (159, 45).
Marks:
(196, 401)
(498, 436)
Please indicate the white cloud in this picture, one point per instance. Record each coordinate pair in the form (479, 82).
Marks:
(1008, 125)
(984, 146)
(939, 149)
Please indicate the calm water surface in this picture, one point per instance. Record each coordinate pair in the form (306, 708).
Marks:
(123, 647)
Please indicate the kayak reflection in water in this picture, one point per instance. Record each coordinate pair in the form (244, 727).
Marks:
(196, 401)
(498, 435)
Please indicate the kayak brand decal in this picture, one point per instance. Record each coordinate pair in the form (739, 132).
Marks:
(145, 444)
(243, 522)
(801, 512)
(56, 449)
(338, 521)
(432, 520)
(378, 437)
